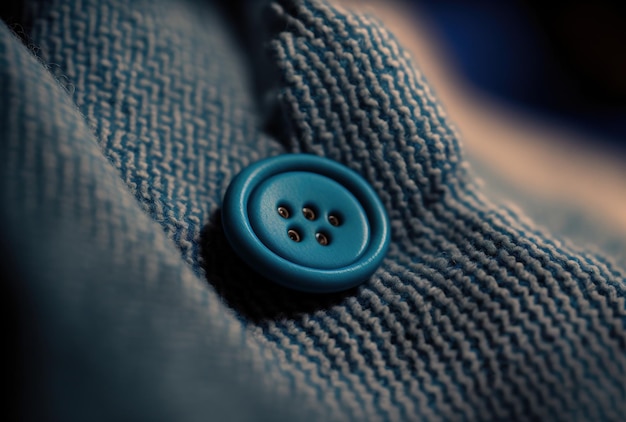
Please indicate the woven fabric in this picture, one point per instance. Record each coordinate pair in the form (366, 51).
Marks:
(122, 125)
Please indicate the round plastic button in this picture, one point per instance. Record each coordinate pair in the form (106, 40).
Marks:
(306, 222)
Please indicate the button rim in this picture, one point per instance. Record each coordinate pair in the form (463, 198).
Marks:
(255, 253)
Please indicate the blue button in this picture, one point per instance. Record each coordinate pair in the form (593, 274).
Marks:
(305, 222)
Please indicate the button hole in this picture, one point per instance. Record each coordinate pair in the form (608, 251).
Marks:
(322, 238)
(309, 212)
(283, 211)
(294, 235)
(335, 219)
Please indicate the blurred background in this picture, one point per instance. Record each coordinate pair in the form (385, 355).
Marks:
(538, 94)
(565, 63)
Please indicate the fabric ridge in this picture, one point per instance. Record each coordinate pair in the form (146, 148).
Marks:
(122, 124)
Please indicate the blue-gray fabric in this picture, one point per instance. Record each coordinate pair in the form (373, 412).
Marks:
(122, 123)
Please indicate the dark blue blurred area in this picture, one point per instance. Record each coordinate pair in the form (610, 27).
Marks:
(566, 63)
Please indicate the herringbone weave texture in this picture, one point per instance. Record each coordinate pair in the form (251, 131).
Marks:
(122, 125)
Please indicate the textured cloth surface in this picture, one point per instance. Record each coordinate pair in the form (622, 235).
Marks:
(122, 124)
